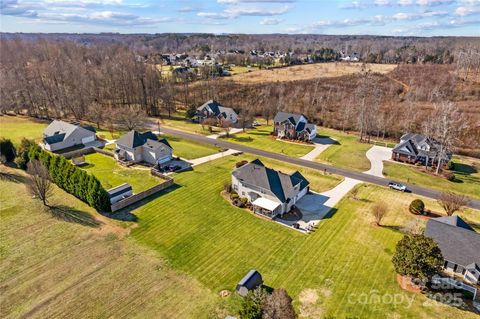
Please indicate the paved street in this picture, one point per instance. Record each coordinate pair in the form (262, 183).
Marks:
(313, 165)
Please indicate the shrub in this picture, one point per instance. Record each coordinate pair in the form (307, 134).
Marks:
(234, 196)
(72, 179)
(244, 200)
(7, 150)
(22, 153)
(451, 165)
(417, 256)
(449, 176)
(416, 207)
(227, 187)
(240, 164)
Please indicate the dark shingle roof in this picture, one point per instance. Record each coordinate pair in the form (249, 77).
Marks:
(216, 109)
(284, 116)
(251, 280)
(54, 138)
(123, 188)
(278, 184)
(458, 242)
(406, 148)
(134, 139)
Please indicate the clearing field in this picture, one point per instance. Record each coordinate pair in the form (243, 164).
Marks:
(188, 149)
(467, 176)
(260, 138)
(348, 153)
(307, 72)
(178, 121)
(51, 268)
(343, 259)
(111, 174)
(17, 127)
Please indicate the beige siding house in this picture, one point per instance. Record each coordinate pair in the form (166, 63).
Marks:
(143, 147)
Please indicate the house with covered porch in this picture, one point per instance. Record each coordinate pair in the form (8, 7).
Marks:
(271, 193)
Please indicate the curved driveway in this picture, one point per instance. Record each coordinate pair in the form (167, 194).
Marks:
(473, 203)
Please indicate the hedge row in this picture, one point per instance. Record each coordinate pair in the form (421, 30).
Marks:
(72, 179)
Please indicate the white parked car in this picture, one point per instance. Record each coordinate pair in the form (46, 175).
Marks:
(397, 186)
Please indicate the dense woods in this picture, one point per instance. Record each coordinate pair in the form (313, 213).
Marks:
(107, 84)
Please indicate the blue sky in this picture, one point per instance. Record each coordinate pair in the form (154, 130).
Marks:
(379, 17)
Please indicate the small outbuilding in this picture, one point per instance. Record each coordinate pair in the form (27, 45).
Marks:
(79, 161)
(120, 192)
(250, 282)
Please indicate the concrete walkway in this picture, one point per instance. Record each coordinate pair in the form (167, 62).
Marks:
(205, 159)
(376, 155)
(232, 131)
(321, 144)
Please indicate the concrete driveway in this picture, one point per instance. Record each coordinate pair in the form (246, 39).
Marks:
(315, 206)
(376, 155)
(321, 144)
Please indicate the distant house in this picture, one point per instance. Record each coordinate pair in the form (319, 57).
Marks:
(415, 148)
(143, 147)
(213, 109)
(120, 192)
(293, 126)
(460, 246)
(60, 135)
(251, 281)
(271, 192)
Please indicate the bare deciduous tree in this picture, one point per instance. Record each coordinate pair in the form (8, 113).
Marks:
(38, 181)
(379, 211)
(452, 202)
(131, 118)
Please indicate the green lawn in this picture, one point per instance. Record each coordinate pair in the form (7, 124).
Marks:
(467, 177)
(203, 235)
(242, 69)
(111, 174)
(178, 121)
(260, 138)
(17, 127)
(51, 268)
(189, 149)
(348, 153)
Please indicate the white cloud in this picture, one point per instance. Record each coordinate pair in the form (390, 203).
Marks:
(271, 21)
(466, 11)
(254, 1)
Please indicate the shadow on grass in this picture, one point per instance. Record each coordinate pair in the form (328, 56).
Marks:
(394, 228)
(11, 177)
(126, 214)
(73, 215)
(239, 138)
(87, 166)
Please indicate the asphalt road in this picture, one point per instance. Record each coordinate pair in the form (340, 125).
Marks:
(313, 165)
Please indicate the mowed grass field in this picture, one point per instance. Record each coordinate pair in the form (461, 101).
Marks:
(203, 235)
(17, 127)
(260, 138)
(188, 149)
(112, 174)
(178, 121)
(466, 170)
(51, 268)
(307, 72)
(347, 153)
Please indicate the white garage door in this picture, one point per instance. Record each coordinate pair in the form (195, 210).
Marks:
(88, 139)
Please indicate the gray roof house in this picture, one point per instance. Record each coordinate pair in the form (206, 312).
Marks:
(213, 109)
(293, 126)
(252, 280)
(143, 147)
(60, 135)
(419, 148)
(271, 192)
(460, 246)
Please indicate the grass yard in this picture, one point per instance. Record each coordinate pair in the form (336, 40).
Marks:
(261, 138)
(178, 121)
(345, 258)
(51, 268)
(189, 149)
(467, 176)
(111, 174)
(348, 153)
(17, 127)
